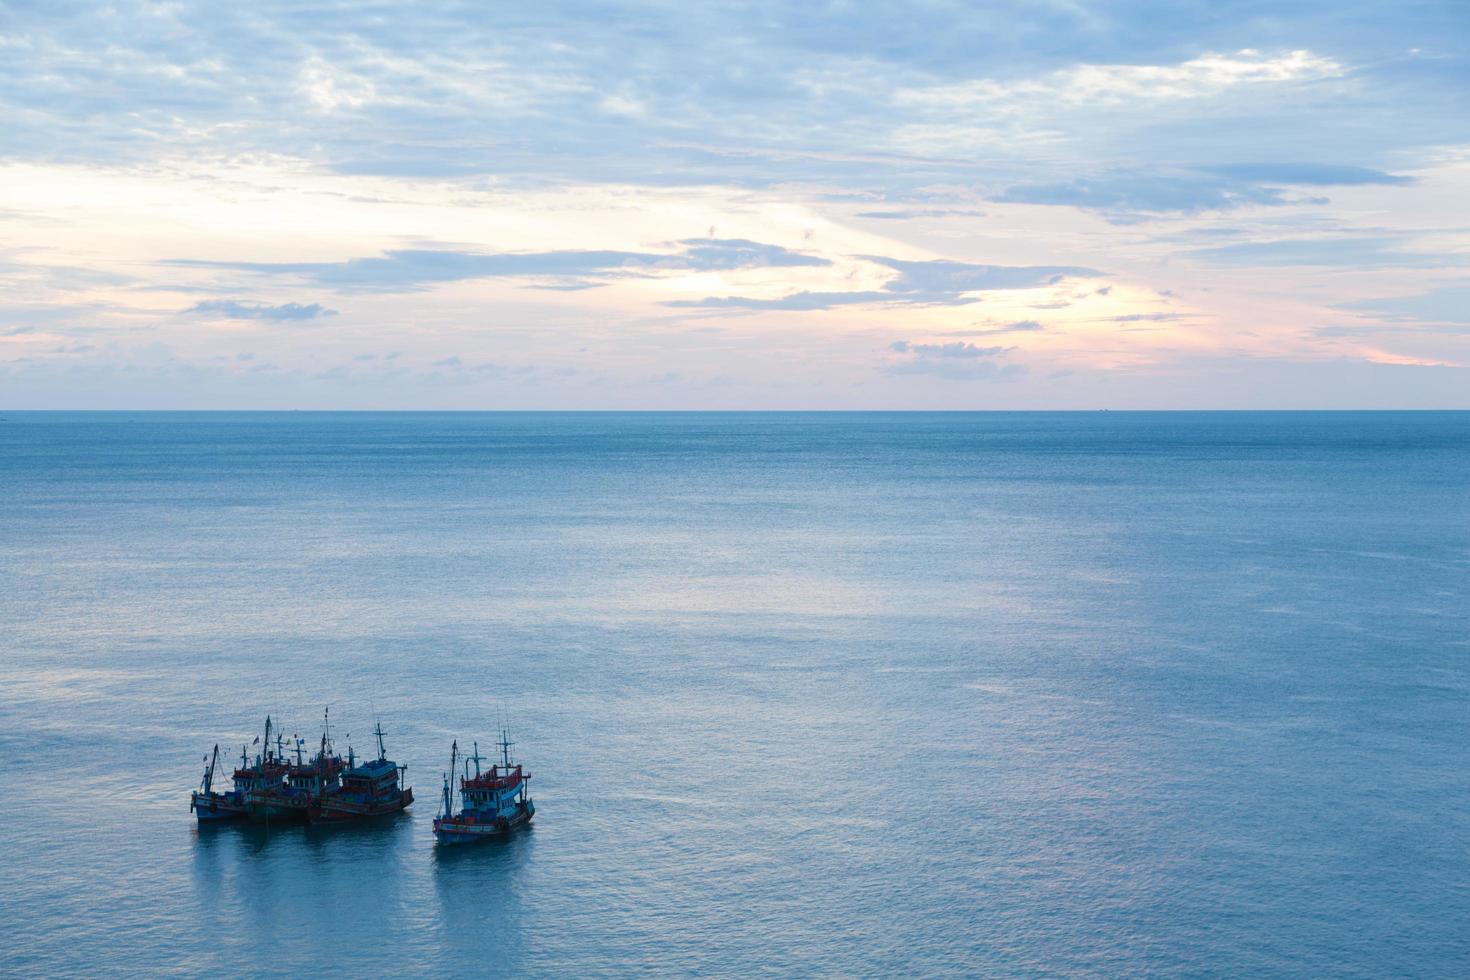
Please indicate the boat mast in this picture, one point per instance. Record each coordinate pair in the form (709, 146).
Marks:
(267, 747)
(453, 753)
(209, 773)
(382, 752)
(478, 759)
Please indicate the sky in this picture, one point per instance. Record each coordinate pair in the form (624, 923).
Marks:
(666, 205)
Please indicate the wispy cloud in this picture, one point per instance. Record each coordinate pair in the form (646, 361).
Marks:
(1309, 174)
(955, 361)
(910, 214)
(405, 270)
(1367, 252)
(1129, 195)
(1449, 304)
(1019, 326)
(955, 349)
(1150, 317)
(1126, 194)
(238, 310)
(935, 282)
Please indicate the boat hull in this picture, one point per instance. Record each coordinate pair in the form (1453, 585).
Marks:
(216, 807)
(463, 829)
(340, 811)
(277, 809)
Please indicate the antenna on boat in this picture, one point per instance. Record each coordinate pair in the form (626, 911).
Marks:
(505, 744)
(276, 704)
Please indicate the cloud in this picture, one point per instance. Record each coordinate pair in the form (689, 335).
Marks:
(1312, 174)
(795, 301)
(405, 270)
(1131, 195)
(954, 361)
(237, 310)
(945, 278)
(1365, 252)
(1150, 317)
(956, 349)
(1020, 326)
(955, 370)
(912, 213)
(1126, 194)
(1443, 304)
(1110, 84)
(719, 254)
(936, 282)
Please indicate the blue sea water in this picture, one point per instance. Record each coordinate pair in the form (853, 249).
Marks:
(887, 694)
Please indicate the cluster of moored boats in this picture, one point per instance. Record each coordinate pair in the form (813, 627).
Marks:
(326, 788)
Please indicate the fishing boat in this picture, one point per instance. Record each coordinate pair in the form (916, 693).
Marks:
(269, 770)
(492, 803)
(307, 781)
(368, 790)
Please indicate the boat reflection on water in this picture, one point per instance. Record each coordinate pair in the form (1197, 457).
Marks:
(337, 878)
(485, 903)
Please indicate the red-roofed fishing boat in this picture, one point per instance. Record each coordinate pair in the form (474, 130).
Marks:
(268, 771)
(307, 781)
(492, 803)
(371, 789)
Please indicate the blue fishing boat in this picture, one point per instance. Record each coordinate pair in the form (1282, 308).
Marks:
(306, 782)
(492, 803)
(371, 789)
(268, 771)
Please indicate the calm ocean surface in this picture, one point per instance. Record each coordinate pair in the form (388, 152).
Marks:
(997, 694)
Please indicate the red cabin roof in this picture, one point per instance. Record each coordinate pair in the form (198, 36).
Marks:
(493, 780)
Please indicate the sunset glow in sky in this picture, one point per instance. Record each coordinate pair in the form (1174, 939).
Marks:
(755, 205)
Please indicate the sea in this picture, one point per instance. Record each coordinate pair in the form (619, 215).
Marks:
(870, 695)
